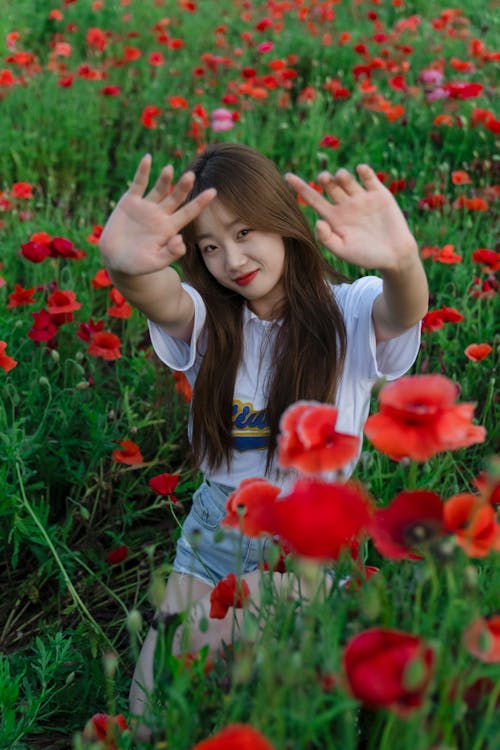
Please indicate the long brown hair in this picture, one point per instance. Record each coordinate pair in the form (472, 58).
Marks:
(310, 343)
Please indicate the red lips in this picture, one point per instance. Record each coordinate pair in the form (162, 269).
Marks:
(247, 278)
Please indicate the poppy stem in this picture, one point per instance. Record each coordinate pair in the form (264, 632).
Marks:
(412, 475)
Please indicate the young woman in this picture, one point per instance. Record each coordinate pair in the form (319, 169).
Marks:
(261, 321)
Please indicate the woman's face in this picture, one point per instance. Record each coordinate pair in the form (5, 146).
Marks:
(246, 260)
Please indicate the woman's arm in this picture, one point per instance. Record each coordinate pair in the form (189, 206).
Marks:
(141, 240)
(363, 224)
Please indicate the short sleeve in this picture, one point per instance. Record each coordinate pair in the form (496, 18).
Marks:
(175, 353)
(388, 359)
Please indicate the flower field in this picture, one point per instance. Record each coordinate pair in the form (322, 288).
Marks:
(401, 647)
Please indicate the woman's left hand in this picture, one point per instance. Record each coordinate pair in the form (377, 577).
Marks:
(361, 223)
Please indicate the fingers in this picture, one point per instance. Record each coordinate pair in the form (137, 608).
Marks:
(368, 177)
(191, 210)
(141, 177)
(178, 195)
(340, 186)
(311, 196)
(163, 184)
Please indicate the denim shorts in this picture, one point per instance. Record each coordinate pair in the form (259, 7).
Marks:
(209, 551)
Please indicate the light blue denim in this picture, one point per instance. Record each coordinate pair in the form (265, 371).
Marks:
(209, 551)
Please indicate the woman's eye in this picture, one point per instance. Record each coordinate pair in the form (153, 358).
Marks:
(208, 249)
(244, 232)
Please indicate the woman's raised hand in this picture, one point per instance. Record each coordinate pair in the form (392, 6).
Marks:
(142, 235)
(361, 222)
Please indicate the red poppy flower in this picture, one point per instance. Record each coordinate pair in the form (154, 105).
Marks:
(105, 345)
(164, 484)
(43, 328)
(21, 296)
(121, 308)
(101, 279)
(309, 442)
(93, 238)
(229, 592)
(477, 352)
(329, 141)
(474, 524)
(418, 418)
(182, 386)
(251, 508)
(412, 519)
(482, 639)
(105, 728)
(22, 190)
(320, 519)
(388, 669)
(87, 330)
(62, 303)
(149, 115)
(36, 252)
(235, 737)
(129, 453)
(489, 259)
(460, 177)
(488, 484)
(60, 247)
(434, 320)
(117, 555)
(6, 363)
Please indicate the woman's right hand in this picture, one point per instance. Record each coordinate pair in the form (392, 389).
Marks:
(141, 236)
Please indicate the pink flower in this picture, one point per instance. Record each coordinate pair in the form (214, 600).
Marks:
(222, 119)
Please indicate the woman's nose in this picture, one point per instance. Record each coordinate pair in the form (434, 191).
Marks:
(235, 258)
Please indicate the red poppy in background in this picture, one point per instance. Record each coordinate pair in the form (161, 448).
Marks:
(477, 352)
(182, 386)
(413, 519)
(388, 669)
(101, 280)
(473, 521)
(235, 737)
(489, 259)
(22, 190)
(229, 592)
(43, 328)
(149, 115)
(488, 484)
(105, 345)
(6, 363)
(309, 442)
(60, 247)
(21, 296)
(117, 555)
(319, 520)
(94, 236)
(129, 453)
(61, 304)
(482, 639)
(434, 320)
(121, 308)
(418, 418)
(164, 484)
(36, 252)
(87, 330)
(251, 508)
(105, 728)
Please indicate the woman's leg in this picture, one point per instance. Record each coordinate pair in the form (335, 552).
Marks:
(181, 592)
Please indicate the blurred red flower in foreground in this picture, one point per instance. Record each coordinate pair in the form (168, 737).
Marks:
(474, 524)
(320, 519)
(105, 345)
(251, 508)
(235, 737)
(129, 453)
(309, 442)
(418, 418)
(164, 484)
(6, 363)
(413, 519)
(105, 728)
(388, 669)
(230, 592)
(477, 352)
(482, 639)
(117, 555)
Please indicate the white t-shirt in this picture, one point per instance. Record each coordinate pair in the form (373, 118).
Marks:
(365, 362)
